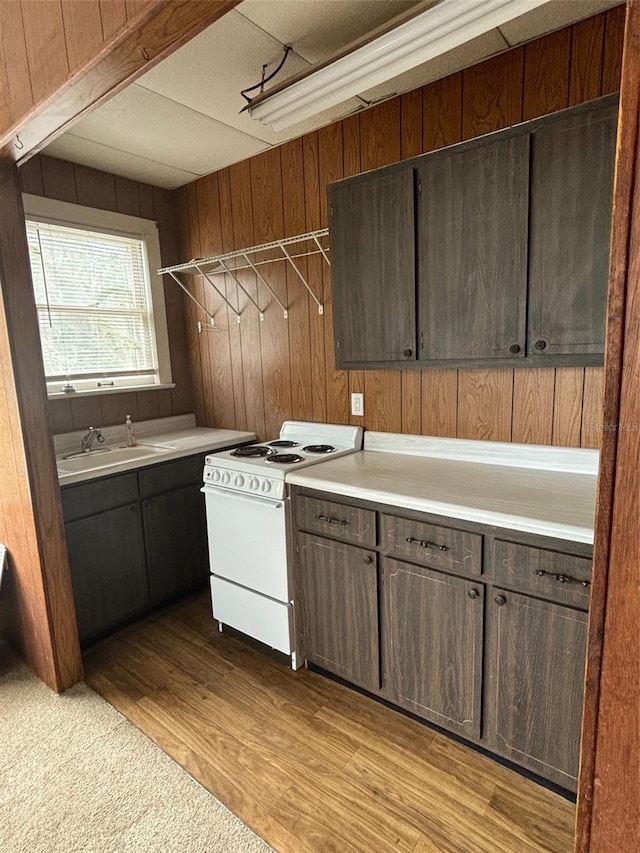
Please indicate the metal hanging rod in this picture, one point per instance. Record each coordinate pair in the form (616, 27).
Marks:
(244, 259)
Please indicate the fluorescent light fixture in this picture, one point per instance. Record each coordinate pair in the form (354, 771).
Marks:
(438, 30)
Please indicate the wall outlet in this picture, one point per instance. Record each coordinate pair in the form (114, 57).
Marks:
(357, 404)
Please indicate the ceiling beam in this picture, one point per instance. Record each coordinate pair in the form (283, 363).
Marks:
(144, 42)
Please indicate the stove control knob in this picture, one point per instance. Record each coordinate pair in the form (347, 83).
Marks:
(226, 478)
(266, 486)
(239, 481)
(214, 475)
(254, 483)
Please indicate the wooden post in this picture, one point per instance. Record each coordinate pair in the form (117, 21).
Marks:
(39, 585)
(609, 785)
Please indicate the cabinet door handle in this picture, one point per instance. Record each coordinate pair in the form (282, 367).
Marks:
(423, 543)
(562, 578)
(501, 600)
(473, 593)
(331, 520)
(368, 559)
(407, 353)
(514, 348)
(540, 345)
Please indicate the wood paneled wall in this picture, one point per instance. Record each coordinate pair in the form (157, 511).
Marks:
(53, 178)
(255, 375)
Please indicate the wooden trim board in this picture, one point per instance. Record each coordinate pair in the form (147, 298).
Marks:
(609, 785)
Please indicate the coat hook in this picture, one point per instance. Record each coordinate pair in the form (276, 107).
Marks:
(19, 143)
(145, 54)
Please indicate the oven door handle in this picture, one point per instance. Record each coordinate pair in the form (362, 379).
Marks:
(274, 503)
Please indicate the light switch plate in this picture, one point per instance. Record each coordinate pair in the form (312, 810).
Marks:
(357, 404)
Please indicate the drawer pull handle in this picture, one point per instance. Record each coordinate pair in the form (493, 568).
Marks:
(562, 578)
(331, 520)
(423, 543)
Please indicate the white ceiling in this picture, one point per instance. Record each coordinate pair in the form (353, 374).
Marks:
(183, 118)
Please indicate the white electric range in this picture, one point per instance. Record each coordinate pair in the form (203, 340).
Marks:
(248, 527)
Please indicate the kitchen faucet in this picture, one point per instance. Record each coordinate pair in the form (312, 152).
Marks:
(87, 440)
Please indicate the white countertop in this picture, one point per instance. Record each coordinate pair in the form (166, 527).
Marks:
(159, 441)
(541, 500)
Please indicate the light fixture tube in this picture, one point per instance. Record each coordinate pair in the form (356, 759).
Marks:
(438, 30)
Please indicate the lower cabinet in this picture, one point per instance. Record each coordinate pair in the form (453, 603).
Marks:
(108, 572)
(136, 541)
(479, 630)
(533, 695)
(433, 625)
(340, 595)
(176, 544)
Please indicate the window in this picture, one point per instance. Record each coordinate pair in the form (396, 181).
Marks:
(102, 326)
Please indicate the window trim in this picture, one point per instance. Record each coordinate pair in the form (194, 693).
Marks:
(57, 212)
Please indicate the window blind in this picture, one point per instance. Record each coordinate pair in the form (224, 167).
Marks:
(93, 302)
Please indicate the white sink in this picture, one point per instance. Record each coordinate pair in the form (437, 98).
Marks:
(107, 457)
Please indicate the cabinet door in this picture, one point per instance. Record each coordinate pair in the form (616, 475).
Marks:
(472, 251)
(106, 557)
(372, 268)
(571, 195)
(175, 531)
(432, 626)
(339, 585)
(535, 686)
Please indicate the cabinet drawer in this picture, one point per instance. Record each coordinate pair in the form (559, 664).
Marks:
(339, 521)
(539, 571)
(171, 475)
(432, 545)
(96, 496)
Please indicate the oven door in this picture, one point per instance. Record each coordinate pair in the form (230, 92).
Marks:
(248, 540)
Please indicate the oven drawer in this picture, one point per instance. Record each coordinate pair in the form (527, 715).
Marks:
(431, 545)
(549, 574)
(337, 520)
(259, 617)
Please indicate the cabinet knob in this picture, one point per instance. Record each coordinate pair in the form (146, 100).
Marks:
(407, 353)
(540, 345)
(514, 348)
(473, 593)
(367, 560)
(501, 600)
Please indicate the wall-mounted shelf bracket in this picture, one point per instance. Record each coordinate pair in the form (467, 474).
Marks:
(303, 280)
(206, 327)
(252, 258)
(241, 286)
(210, 318)
(222, 296)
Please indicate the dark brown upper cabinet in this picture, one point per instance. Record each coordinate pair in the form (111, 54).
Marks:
(472, 213)
(571, 193)
(372, 258)
(492, 252)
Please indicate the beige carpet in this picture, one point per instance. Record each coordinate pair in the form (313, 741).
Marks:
(75, 775)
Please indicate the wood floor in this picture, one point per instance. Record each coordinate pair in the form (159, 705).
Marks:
(308, 764)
